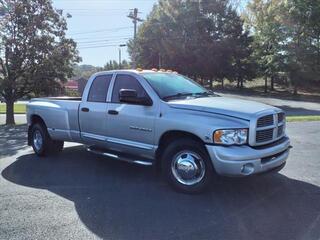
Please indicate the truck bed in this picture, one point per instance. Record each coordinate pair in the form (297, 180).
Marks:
(61, 115)
(64, 98)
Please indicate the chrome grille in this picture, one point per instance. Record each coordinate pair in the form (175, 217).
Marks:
(264, 135)
(265, 121)
(280, 131)
(269, 128)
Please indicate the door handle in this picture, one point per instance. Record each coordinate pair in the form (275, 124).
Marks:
(113, 112)
(84, 109)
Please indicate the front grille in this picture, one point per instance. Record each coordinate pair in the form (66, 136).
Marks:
(269, 128)
(280, 131)
(265, 121)
(264, 135)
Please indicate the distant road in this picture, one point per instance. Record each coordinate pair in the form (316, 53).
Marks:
(292, 107)
(19, 118)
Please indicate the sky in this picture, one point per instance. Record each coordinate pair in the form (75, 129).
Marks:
(99, 26)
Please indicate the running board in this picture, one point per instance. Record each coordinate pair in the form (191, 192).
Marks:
(119, 157)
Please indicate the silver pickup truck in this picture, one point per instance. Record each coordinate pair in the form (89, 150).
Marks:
(165, 119)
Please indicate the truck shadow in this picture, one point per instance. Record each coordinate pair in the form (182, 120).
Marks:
(122, 201)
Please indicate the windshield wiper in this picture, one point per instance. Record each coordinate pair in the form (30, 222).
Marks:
(177, 95)
(207, 93)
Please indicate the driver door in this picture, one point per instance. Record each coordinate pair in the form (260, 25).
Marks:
(130, 126)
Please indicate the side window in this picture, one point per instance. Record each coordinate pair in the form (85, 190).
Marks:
(126, 82)
(99, 88)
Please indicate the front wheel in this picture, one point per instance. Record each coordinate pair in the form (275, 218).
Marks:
(41, 142)
(187, 166)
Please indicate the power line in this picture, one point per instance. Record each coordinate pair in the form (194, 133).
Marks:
(104, 40)
(95, 9)
(101, 30)
(100, 46)
(101, 37)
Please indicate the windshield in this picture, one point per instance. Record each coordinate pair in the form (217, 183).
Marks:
(170, 85)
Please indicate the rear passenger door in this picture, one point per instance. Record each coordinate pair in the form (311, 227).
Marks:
(93, 112)
(130, 126)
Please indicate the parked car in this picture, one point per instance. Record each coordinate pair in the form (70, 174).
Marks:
(165, 119)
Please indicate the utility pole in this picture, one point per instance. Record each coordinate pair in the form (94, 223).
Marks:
(120, 46)
(135, 19)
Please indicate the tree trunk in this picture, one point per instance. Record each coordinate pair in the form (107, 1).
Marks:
(295, 90)
(241, 83)
(238, 83)
(272, 83)
(318, 49)
(266, 84)
(10, 113)
(222, 83)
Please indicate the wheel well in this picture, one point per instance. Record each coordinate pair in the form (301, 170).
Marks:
(170, 136)
(33, 120)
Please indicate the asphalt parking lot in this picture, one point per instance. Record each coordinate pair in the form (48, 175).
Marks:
(78, 195)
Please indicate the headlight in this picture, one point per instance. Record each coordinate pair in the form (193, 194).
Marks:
(231, 136)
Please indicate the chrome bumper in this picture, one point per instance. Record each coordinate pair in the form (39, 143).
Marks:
(245, 160)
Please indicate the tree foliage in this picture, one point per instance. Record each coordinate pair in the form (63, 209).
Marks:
(84, 71)
(113, 65)
(202, 39)
(286, 38)
(36, 56)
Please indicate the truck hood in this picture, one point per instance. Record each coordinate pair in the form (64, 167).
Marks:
(222, 105)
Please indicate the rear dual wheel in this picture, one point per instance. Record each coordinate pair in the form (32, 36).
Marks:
(41, 142)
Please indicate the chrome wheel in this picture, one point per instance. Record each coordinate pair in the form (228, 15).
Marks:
(37, 140)
(188, 168)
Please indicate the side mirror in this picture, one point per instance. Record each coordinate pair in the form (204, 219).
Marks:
(131, 96)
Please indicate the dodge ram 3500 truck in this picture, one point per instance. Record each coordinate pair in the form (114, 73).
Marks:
(157, 117)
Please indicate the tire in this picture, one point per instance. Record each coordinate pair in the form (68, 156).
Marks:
(41, 142)
(187, 166)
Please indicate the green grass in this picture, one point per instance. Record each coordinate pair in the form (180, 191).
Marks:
(19, 108)
(303, 118)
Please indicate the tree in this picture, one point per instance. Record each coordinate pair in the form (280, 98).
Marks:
(264, 19)
(36, 55)
(84, 71)
(286, 39)
(112, 65)
(302, 29)
(203, 39)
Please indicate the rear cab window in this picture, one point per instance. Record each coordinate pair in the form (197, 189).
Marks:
(99, 88)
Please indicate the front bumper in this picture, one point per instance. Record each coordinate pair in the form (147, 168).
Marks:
(245, 160)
